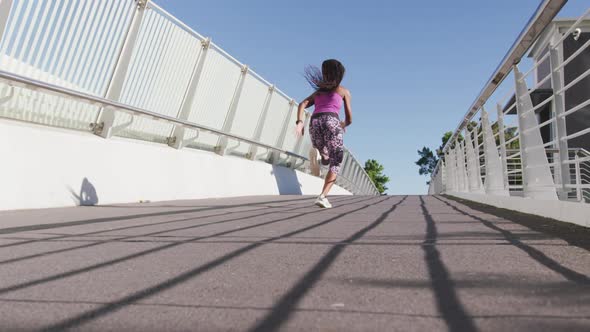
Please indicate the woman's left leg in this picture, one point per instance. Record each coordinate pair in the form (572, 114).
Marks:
(334, 141)
(328, 183)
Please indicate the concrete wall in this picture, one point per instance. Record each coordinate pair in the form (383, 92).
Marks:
(573, 212)
(47, 167)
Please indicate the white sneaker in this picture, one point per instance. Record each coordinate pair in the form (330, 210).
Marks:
(323, 202)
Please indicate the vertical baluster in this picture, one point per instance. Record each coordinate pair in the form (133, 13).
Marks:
(231, 113)
(557, 82)
(261, 122)
(537, 179)
(104, 124)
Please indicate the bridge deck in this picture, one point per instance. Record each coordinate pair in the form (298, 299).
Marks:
(264, 263)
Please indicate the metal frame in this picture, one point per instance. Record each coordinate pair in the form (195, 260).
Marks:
(106, 118)
(546, 11)
(96, 80)
(16, 80)
(177, 136)
(539, 169)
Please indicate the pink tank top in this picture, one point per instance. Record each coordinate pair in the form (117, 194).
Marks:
(330, 102)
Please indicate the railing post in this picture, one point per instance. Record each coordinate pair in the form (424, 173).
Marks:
(350, 167)
(261, 121)
(473, 172)
(106, 118)
(461, 171)
(578, 179)
(275, 156)
(477, 152)
(360, 186)
(231, 113)
(176, 139)
(344, 168)
(433, 187)
(555, 59)
(537, 179)
(350, 172)
(457, 169)
(459, 183)
(355, 179)
(348, 177)
(452, 165)
(5, 7)
(456, 184)
(443, 177)
(466, 187)
(448, 163)
(351, 177)
(494, 184)
(501, 135)
(299, 143)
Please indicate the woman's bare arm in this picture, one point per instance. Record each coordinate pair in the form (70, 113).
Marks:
(307, 102)
(347, 106)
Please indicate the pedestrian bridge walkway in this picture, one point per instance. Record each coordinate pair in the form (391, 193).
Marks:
(407, 263)
(115, 101)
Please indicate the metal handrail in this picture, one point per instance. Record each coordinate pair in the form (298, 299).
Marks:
(546, 11)
(132, 43)
(30, 83)
(360, 166)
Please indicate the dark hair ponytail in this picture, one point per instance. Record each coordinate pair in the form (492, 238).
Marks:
(327, 79)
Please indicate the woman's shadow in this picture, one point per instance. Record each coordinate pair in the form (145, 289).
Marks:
(87, 196)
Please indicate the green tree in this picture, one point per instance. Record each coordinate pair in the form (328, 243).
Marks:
(427, 161)
(375, 171)
(509, 133)
(445, 138)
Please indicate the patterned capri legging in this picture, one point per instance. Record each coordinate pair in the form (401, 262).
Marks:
(326, 136)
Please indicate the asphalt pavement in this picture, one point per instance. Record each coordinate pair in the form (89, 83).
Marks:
(279, 263)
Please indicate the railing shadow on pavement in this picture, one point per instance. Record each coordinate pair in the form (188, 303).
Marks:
(181, 278)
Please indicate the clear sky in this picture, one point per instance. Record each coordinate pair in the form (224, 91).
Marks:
(413, 67)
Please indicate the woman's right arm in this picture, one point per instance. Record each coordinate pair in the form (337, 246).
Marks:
(307, 102)
(347, 107)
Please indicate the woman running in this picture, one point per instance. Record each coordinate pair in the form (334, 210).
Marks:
(325, 126)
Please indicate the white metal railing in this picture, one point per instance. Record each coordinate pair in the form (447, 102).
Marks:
(128, 68)
(535, 146)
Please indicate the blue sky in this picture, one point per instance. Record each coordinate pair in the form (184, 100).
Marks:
(413, 67)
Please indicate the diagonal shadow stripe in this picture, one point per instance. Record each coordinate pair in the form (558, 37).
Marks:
(133, 227)
(285, 306)
(535, 254)
(130, 217)
(143, 253)
(145, 293)
(65, 236)
(447, 301)
(573, 234)
(129, 237)
(356, 243)
(317, 310)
